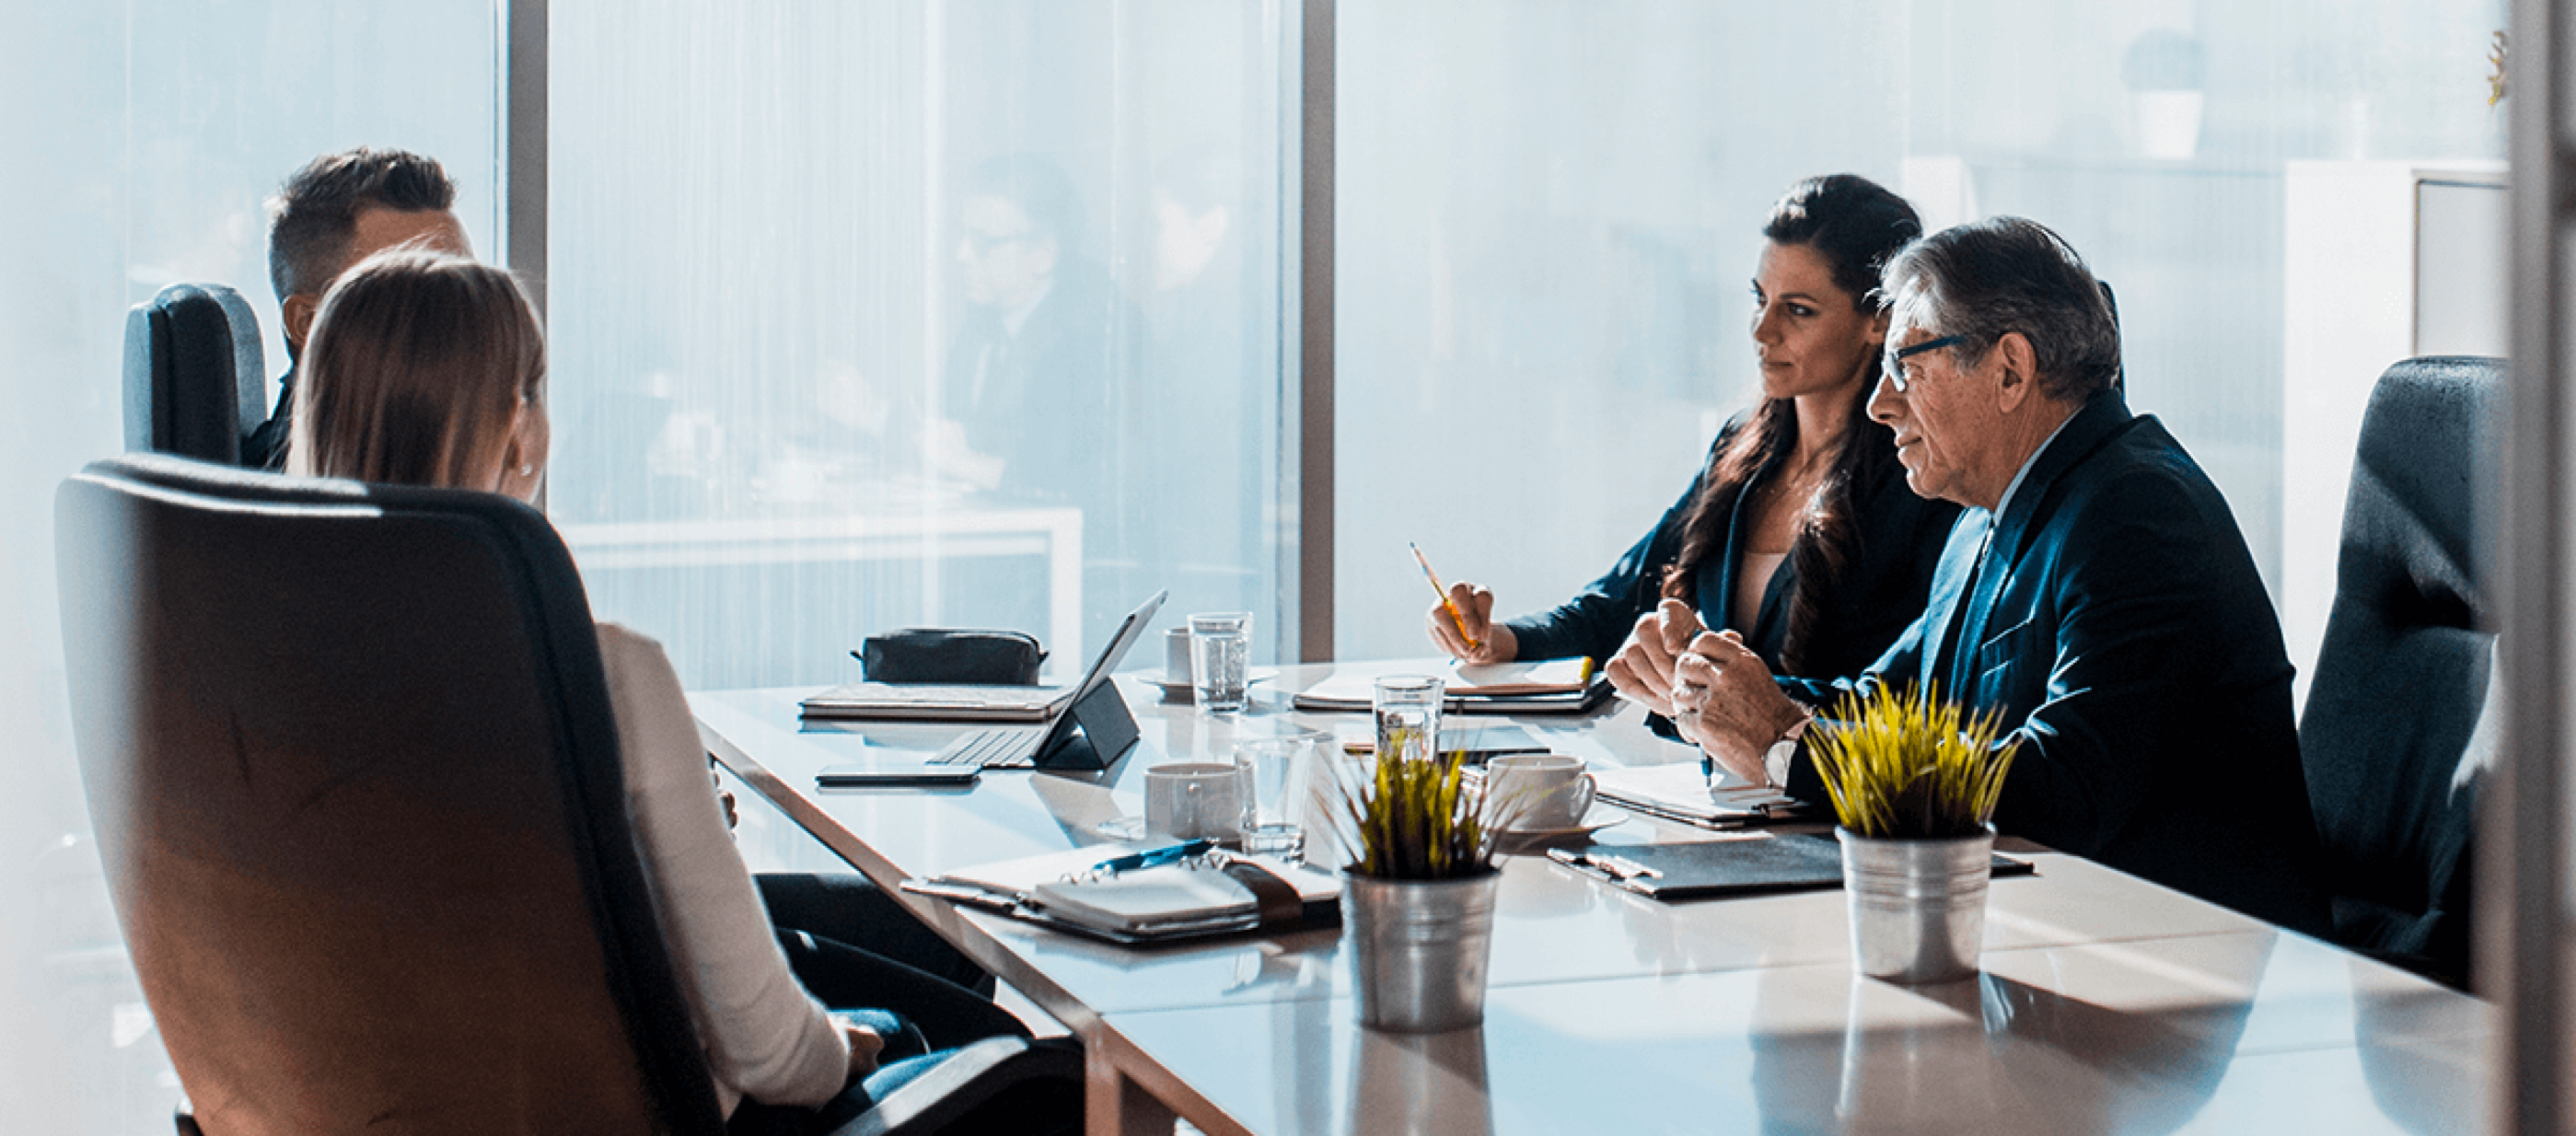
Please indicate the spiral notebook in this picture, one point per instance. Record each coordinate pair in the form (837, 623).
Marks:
(1213, 895)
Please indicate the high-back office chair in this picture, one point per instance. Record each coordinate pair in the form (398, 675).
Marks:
(352, 765)
(2391, 737)
(195, 377)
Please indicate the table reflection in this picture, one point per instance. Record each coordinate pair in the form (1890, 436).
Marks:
(1420, 1084)
(2011, 1050)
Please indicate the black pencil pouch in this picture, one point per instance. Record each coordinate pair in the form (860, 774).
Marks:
(951, 654)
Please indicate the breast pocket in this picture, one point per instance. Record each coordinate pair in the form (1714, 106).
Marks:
(2013, 663)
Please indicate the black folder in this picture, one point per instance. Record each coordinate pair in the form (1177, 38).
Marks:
(1757, 864)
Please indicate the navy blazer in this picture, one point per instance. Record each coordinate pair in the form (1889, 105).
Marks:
(1884, 586)
(2120, 627)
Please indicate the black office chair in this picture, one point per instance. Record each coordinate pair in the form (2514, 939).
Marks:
(351, 760)
(2392, 737)
(195, 377)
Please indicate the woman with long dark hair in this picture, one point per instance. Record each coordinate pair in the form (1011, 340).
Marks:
(1799, 533)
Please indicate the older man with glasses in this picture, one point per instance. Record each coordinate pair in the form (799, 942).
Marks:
(2096, 593)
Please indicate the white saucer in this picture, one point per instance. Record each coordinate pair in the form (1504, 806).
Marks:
(1602, 816)
(1129, 828)
(1179, 688)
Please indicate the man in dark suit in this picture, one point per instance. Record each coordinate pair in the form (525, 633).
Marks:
(338, 210)
(2096, 594)
(1038, 403)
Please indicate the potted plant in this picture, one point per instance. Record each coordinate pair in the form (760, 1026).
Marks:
(1914, 782)
(1418, 888)
(2164, 71)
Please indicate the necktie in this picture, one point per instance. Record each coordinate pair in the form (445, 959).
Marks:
(1945, 659)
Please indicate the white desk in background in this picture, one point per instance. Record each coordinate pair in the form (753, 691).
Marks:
(2108, 1004)
(903, 534)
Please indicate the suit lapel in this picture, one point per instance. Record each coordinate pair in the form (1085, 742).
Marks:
(1949, 593)
(2100, 419)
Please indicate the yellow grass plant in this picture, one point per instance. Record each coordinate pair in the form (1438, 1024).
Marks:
(1405, 818)
(1909, 766)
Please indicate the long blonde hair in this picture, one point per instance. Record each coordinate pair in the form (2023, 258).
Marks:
(415, 372)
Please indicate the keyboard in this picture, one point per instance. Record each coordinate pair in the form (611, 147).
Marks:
(1004, 747)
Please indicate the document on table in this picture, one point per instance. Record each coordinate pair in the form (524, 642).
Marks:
(1680, 791)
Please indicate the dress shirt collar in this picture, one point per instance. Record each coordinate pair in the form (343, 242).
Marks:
(2024, 472)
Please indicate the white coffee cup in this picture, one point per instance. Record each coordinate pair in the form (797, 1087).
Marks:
(1538, 792)
(1191, 799)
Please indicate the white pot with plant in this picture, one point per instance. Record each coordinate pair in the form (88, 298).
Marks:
(1418, 891)
(1914, 783)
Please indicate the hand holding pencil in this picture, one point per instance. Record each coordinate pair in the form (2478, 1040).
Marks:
(1461, 621)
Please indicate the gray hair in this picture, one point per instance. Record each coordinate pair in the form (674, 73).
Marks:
(1986, 278)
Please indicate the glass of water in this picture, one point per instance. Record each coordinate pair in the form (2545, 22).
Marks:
(1221, 661)
(1277, 769)
(1408, 715)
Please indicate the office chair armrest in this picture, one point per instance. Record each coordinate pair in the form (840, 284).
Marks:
(968, 1078)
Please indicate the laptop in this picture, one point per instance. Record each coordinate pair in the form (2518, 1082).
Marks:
(1085, 725)
(1093, 730)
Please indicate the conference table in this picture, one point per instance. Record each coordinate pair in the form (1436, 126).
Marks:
(2106, 1003)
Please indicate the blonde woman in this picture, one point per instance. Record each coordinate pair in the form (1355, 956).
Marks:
(429, 369)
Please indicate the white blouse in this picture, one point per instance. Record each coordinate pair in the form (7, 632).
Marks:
(764, 1036)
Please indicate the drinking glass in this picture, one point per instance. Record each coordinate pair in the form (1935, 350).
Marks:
(1277, 769)
(1221, 661)
(1408, 715)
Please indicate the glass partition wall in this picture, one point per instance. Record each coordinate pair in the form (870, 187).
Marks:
(141, 140)
(972, 311)
(1550, 209)
(868, 316)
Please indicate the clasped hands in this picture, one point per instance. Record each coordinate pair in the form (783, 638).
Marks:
(1718, 693)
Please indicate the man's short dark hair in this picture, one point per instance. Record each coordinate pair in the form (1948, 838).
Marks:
(314, 215)
(2004, 274)
(1038, 187)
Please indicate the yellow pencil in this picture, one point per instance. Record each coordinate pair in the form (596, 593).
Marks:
(1443, 591)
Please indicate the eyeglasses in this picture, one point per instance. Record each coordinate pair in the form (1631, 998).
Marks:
(983, 244)
(1894, 367)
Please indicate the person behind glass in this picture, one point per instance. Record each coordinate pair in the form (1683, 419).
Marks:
(2096, 595)
(1037, 399)
(429, 369)
(1798, 534)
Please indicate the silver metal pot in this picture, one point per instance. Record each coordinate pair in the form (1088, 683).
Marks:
(1918, 907)
(1420, 948)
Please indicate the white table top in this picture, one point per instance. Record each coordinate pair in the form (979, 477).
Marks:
(2107, 1003)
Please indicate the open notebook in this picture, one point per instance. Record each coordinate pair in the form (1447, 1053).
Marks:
(1215, 894)
(1551, 686)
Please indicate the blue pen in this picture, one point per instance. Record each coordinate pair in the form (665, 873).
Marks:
(1155, 857)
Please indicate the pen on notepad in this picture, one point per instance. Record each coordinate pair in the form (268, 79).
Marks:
(1442, 590)
(1155, 857)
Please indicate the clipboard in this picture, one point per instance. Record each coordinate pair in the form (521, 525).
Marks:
(1753, 863)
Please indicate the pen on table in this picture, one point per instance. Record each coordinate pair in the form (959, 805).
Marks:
(1155, 857)
(1443, 591)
